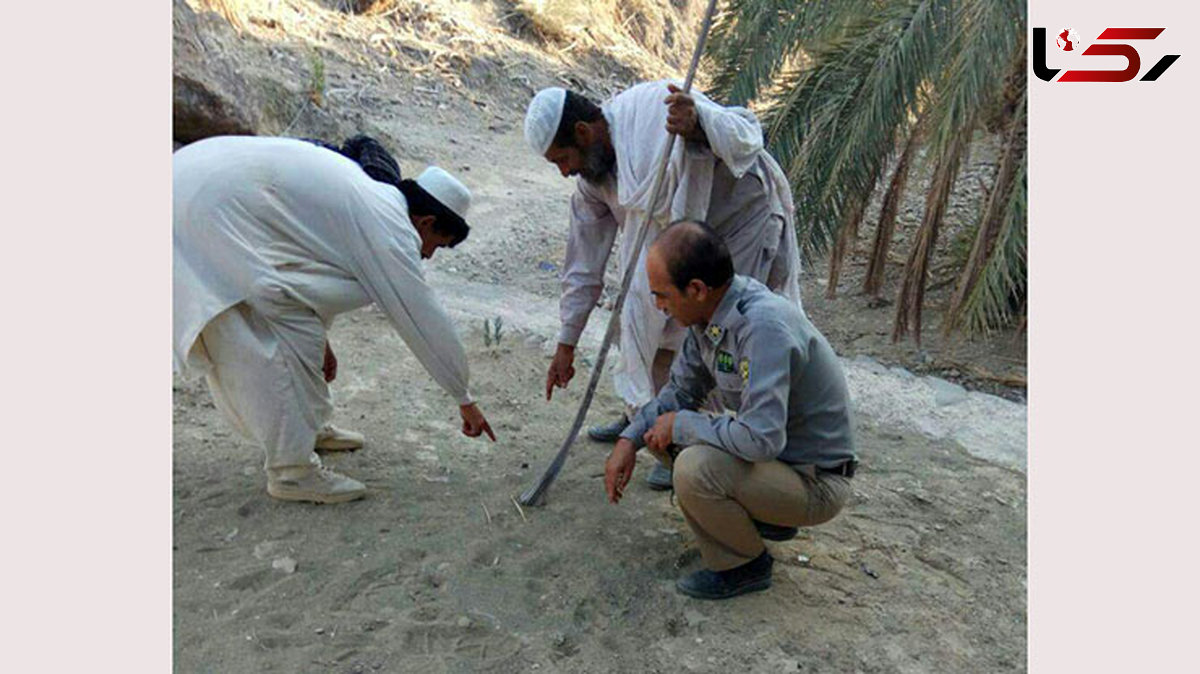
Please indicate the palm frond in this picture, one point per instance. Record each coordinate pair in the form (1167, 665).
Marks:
(838, 82)
(834, 125)
(994, 209)
(1001, 289)
(889, 209)
(847, 235)
(752, 40)
(982, 36)
(911, 302)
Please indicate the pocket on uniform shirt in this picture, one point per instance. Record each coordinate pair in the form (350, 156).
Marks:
(730, 381)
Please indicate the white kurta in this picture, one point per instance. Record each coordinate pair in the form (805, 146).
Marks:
(274, 237)
(733, 185)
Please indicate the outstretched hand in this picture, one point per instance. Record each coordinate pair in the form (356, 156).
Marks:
(474, 423)
(618, 469)
(562, 368)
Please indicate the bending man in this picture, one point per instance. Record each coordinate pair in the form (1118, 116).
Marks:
(720, 174)
(786, 458)
(273, 238)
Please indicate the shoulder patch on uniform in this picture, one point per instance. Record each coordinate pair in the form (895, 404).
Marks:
(724, 361)
(744, 369)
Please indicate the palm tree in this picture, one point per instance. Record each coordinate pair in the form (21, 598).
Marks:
(847, 88)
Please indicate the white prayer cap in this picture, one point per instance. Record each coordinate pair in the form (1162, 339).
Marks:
(542, 118)
(446, 189)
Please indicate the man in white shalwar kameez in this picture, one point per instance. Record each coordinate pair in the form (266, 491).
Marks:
(273, 238)
(720, 174)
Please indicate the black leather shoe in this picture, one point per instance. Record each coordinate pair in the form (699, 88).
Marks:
(608, 432)
(774, 532)
(752, 576)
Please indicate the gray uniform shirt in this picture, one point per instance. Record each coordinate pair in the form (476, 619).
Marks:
(772, 367)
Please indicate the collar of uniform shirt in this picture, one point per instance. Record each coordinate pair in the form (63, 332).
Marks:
(717, 324)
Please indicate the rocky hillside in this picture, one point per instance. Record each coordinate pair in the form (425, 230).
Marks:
(331, 67)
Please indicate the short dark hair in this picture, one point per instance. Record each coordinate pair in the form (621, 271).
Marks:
(694, 251)
(445, 221)
(576, 108)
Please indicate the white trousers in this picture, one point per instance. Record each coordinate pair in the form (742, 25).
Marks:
(267, 380)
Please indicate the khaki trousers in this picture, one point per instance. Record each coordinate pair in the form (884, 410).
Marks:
(720, 494)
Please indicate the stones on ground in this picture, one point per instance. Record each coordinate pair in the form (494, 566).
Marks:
(266, 549)
(284, 564)
(564, 644)
(945, 392)
(902, 374)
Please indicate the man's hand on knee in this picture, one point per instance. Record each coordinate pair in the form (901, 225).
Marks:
(660, 437)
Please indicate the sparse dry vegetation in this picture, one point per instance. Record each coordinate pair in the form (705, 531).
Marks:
(450, 35)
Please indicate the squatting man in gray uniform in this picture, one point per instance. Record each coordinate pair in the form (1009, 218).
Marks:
(785, 460)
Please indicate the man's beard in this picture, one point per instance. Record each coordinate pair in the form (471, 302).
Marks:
(599, 162)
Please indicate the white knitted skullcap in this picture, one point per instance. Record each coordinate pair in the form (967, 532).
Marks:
(446, 189)
(542, 118)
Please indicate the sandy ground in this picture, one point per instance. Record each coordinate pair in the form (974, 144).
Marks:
(437, 570)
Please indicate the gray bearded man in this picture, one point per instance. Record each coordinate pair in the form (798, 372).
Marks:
(720, 174)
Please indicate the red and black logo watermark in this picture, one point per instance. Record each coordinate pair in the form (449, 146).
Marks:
(1068, 41)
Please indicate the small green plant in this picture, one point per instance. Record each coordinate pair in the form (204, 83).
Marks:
(316, 79)
(491, 331)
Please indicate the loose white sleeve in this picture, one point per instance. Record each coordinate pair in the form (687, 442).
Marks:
(589, 243)
(384, 250)
(733, 133)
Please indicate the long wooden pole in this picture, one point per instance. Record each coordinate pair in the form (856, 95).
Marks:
(536, 495)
